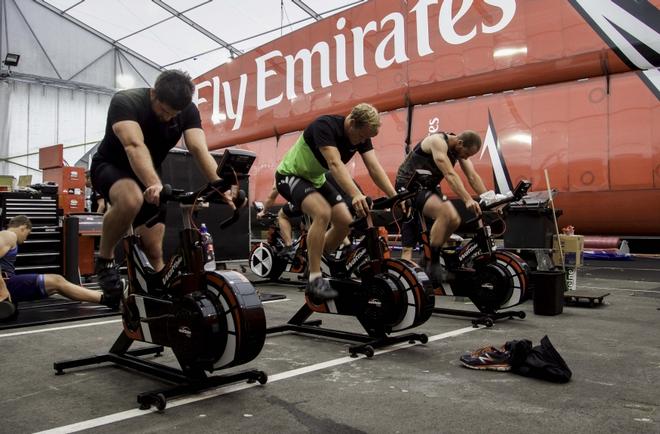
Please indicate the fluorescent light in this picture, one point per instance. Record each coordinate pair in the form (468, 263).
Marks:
(11, 59)
(510, 51)
(524, 138)
(125, 81)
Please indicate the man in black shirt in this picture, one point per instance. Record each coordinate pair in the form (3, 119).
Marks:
(142, 126)
(327, 144)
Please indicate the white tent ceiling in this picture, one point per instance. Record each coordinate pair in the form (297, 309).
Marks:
(195, 35)
(74, 54)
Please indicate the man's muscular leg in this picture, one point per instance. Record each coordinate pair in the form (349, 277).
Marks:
(126, 197)
(152, 244)
(446, 220)
(341, 219)
(316, 207)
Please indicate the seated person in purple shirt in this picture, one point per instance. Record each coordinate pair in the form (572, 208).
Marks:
(27, 287)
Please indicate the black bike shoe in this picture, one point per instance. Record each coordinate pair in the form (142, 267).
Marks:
(7, 310)
(287, 253)
(107, 274)
(111, 299)
(319, 289)
(436, 273)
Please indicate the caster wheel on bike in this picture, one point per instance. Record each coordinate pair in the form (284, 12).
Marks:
(157, 400)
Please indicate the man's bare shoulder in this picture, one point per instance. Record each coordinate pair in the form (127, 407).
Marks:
(435, 143)
(7, 237)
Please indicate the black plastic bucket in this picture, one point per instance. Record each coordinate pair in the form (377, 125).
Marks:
(549, 287)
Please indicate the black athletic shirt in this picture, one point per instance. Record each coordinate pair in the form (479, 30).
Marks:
(305, 159)
(160, 137)
(418, 159)
(328, 130)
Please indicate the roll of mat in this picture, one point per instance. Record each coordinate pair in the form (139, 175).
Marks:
(601, 243)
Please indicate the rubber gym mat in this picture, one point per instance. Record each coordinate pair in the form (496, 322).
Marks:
(31, 314)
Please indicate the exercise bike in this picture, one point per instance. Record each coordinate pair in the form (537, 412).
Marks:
(212, 320)
(492, 279)
(385, 295)
(266, 259)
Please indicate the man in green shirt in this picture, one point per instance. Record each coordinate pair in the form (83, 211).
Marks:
(327, 144)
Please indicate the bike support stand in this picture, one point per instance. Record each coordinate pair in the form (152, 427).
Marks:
(184, 384)
(299, 324)
(487, 319)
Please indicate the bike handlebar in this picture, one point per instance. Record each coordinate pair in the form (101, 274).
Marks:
(422, 180)
(212, 192)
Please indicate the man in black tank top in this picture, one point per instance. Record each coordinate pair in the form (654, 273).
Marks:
(438, 153)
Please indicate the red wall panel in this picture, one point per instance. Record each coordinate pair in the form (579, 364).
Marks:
(631, 115)
(587, 134)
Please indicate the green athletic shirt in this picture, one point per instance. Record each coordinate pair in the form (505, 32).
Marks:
(305, 160)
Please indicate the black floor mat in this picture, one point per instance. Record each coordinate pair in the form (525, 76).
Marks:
(53, 310)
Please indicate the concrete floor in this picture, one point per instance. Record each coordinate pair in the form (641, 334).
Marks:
(613, 351)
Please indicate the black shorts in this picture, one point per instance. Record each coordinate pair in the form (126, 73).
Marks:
(291, 211)
(421, 197)
(26, 287)
(104, 175)
(411, 230)
(295, 189)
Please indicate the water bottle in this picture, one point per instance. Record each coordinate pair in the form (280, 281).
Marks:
(207, 247)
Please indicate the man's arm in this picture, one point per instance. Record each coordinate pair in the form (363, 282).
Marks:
(472, 176)
(4, 292)
(377, 173)
(439, 150)
(7, 242)
(343, 178)
(130, 135)
(270, 200)
(196, 144)
(100, 202)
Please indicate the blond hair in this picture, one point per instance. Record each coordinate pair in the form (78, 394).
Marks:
(365, 114)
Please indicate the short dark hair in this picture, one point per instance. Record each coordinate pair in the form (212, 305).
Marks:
(471, 140)
(18, 221)
(174, 88)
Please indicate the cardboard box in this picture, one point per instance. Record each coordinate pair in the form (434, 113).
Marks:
(66, 178)
(573, 248)
(51, 157)
(71, 203)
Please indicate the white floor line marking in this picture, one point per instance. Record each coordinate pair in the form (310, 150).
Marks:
(276, 301)
(130, 414)
(51, 329)
(590, 268)
(616, 289)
